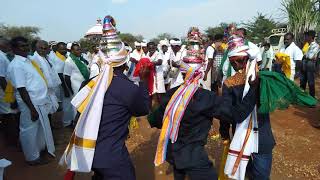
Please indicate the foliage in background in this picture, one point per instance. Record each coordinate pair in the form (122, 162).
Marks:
(211, 31)
(260, 27)
(130, 38)
(162, 37)
(28, 32)
(303, 15)
(87, 44)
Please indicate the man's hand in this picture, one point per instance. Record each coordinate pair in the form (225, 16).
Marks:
(205, 77)
(14, 105)
(34, 115)
(133, 60)
(254, 83)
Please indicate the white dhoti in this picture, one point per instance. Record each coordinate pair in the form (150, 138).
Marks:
(68, 111)
(159, 85)
(35, 136)
(53, 100)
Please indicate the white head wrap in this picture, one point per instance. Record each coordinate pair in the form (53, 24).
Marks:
(164, 43)
(69, 46)
(136, 43)
(175, 42)
(143, 44)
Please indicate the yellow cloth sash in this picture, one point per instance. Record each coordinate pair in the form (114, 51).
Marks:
(305, 48)
(285, 61)
(9, 93)
(60, 56)
(37, 67)
(226, 145)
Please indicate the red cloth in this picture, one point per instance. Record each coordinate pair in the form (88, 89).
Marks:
(142, 64)
(69, 175)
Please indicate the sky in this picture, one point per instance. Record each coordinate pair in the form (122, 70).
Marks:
(68, 20)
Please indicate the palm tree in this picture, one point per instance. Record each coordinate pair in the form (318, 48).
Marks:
(303, 15)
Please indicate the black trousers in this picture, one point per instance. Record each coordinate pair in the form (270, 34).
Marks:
(123, 171)
(308, 77)
(199, 173)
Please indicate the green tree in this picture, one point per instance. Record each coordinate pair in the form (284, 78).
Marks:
(28, 32)
(87, 44)
(302, 15)
(130, 38)
(162, 37)
(211, 31)
(260, 28)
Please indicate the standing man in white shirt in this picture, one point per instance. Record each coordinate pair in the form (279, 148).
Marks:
(267, 57)
(75, 71)
(135, 56)
(62, 92)
(295, 53)
(53, 81)
(177, 54)
(209, 56)
(158, 83)
(165, 53)
(33, 102)
(309, 63)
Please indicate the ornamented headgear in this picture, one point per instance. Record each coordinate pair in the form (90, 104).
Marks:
(112, 49)
(195, 50)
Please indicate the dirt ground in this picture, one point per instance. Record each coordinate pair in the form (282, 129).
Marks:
(296, 155)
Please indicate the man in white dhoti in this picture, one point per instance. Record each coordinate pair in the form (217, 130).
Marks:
(156, 58)
(62, 91)
(41, 58)
(34, 104)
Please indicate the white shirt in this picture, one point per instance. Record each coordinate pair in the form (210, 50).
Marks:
(159, 79)
(267, 57)
(51, 55)
(49, 72)
(136, 54)
(165, 59)
(209, 55)
(254, 51)
(57, 63)
(22, 73)
(71, 69)
(295, 54)
(313, 50)
(177, 58)
(155, 57)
